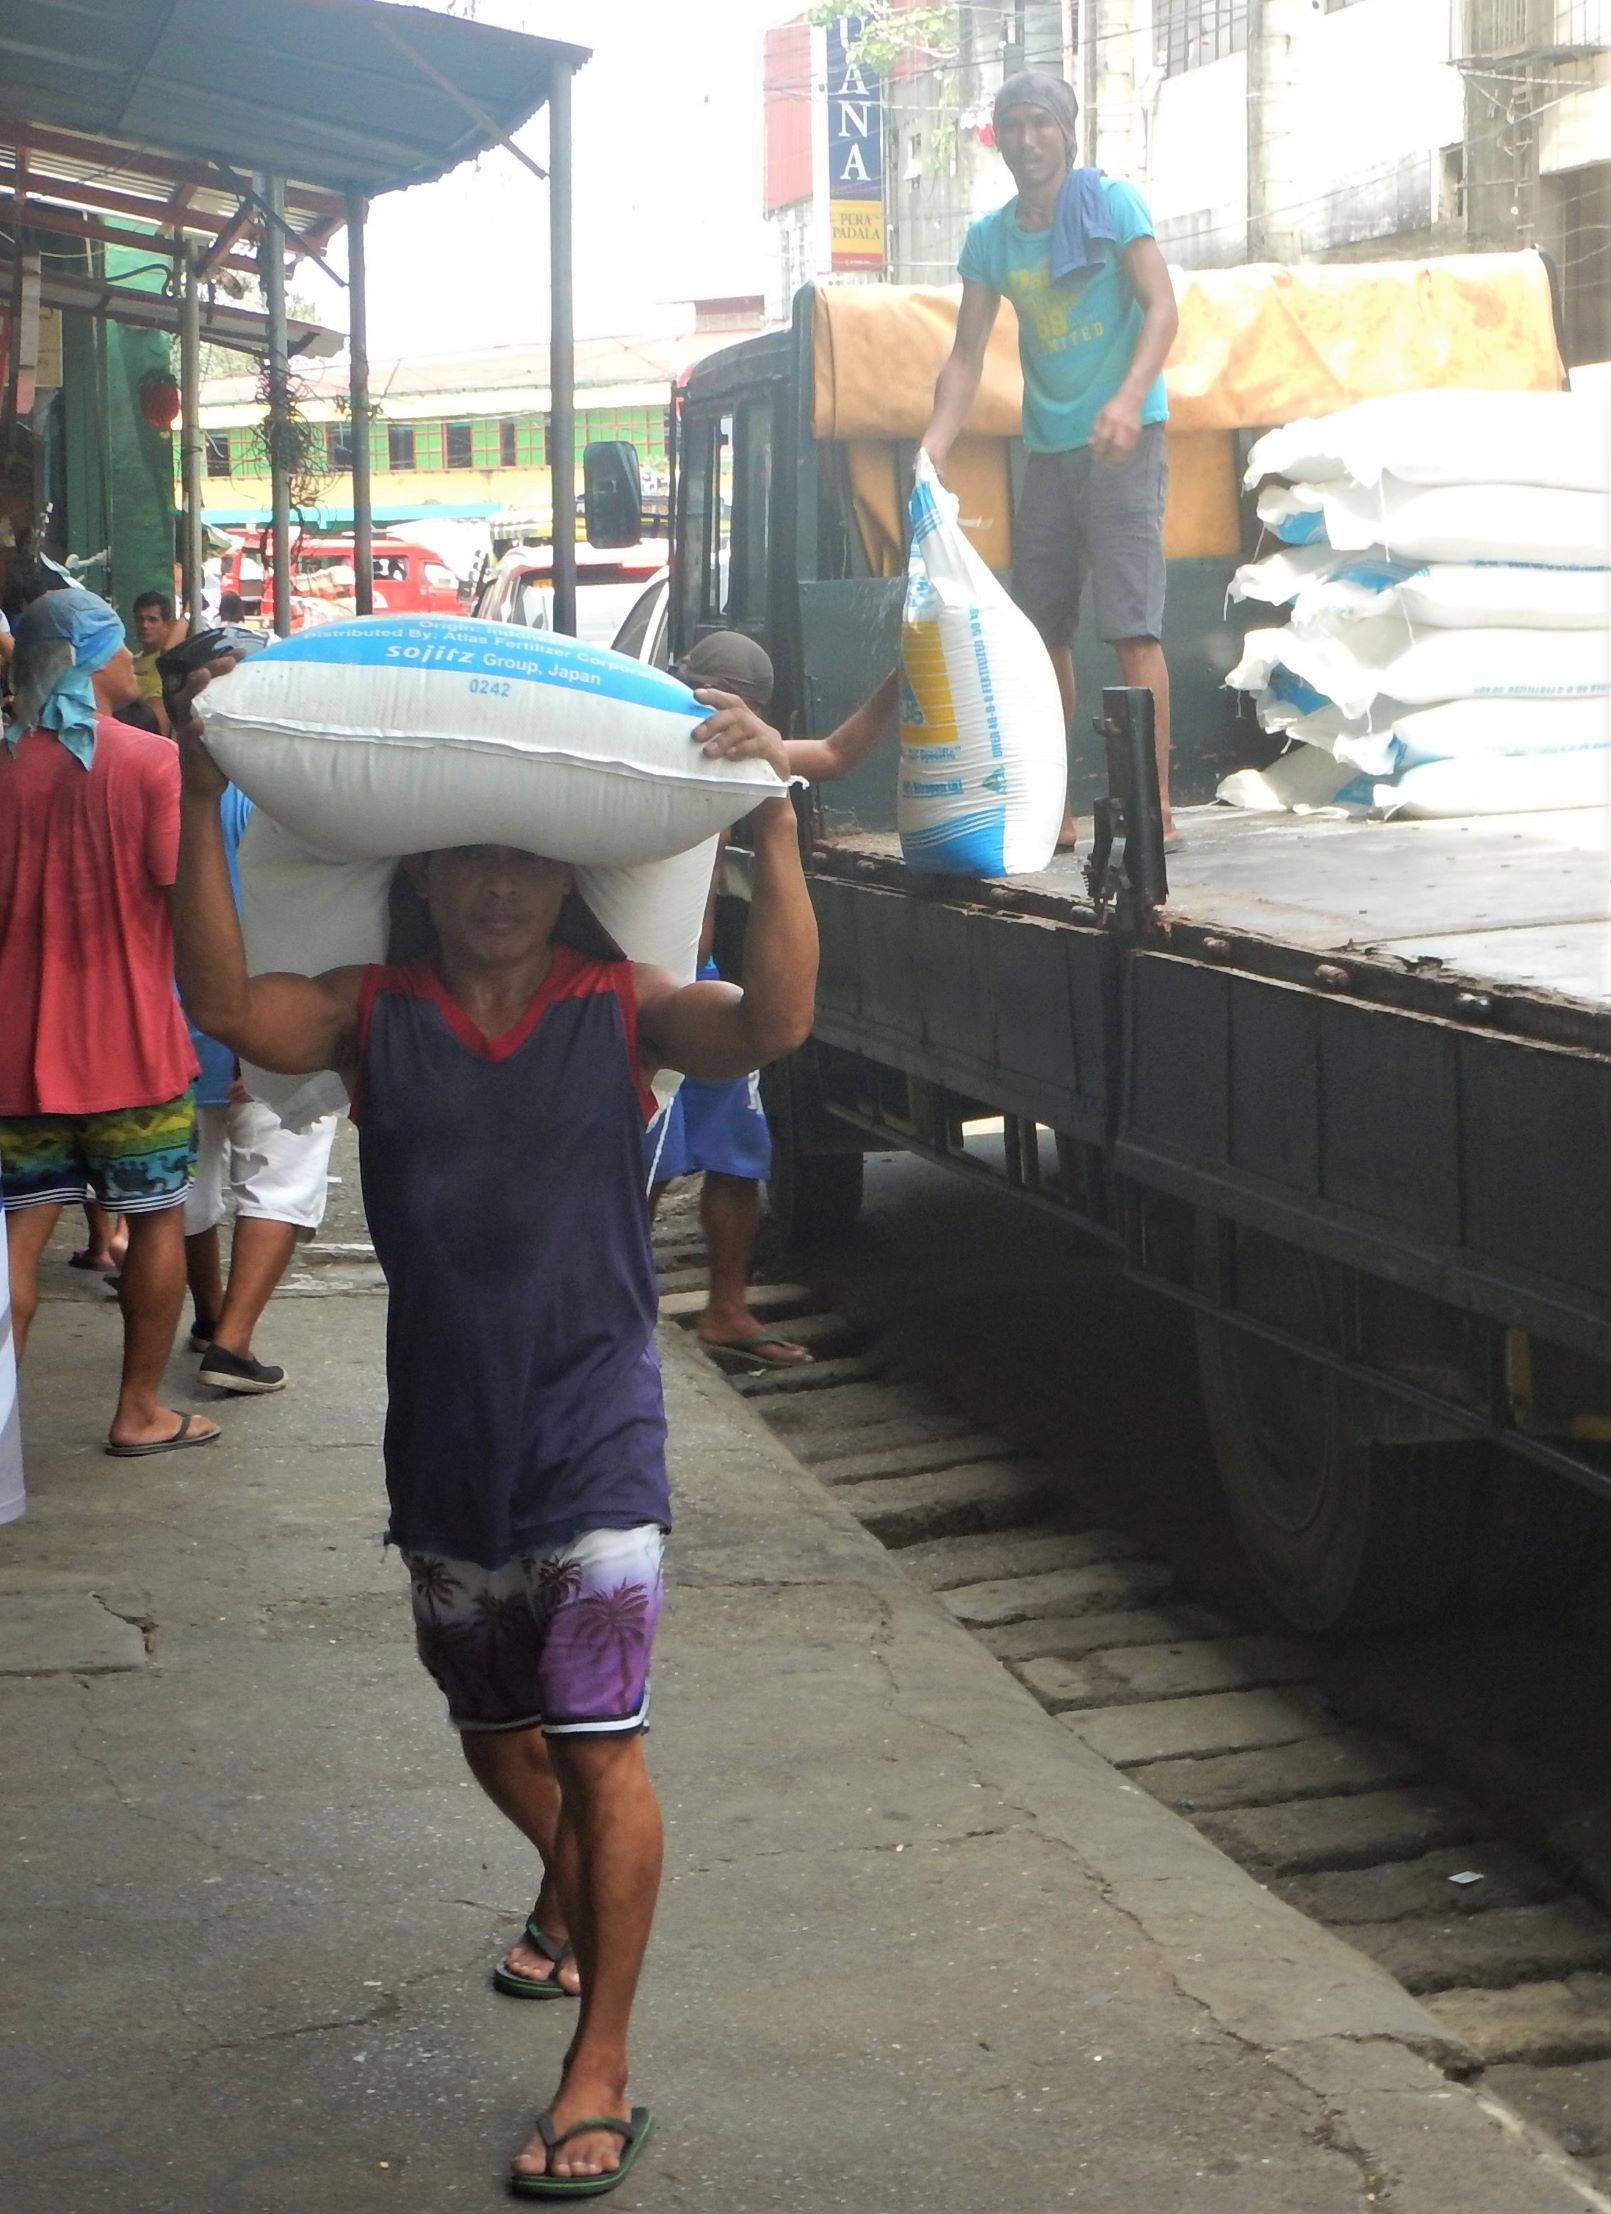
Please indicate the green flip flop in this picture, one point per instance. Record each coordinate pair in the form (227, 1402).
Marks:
(634, 2135)
(528, 1987)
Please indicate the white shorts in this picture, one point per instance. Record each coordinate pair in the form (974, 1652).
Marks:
(247, 1160)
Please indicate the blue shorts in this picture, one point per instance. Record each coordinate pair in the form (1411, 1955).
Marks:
(710, 1126)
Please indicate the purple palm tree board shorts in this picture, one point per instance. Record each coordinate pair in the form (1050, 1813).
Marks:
(558, 1640)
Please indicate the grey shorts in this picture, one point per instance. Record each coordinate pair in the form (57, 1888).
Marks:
(1078, 516)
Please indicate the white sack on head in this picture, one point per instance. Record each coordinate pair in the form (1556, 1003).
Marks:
(1447, 437)
(305, 911)
(396, 734)
(984, 754)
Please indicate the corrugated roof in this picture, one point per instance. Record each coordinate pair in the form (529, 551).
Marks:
(325, 93)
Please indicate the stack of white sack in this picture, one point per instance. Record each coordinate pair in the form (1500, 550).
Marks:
(1446, 561)
(363, 741)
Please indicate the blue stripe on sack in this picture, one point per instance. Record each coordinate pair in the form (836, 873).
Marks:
(977, 820)
(1283, 685)
(1305, 529)
(959, 851)
(987, 694)
(1381, 576)
(460, 646)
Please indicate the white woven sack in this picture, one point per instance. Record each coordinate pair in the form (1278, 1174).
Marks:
(1490, 784)
(1278, 578)
(1446, 437)
(1456, 522)
(395, 734)
(1456, 595)
(1353, 664)
(984, 755)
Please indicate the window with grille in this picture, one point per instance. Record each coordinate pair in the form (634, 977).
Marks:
(508, 443)
(218, 458)
(458, 441)
(400, 445)
(338, 448)
(1194, 33)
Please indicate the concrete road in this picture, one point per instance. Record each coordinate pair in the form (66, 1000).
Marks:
(918, 1948)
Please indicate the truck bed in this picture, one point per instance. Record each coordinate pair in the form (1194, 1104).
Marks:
(1517, 903)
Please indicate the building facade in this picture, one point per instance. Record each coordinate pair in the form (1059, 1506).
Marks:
(1285, 130)
(461, 437)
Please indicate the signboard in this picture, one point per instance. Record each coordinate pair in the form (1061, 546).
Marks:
(855, 154)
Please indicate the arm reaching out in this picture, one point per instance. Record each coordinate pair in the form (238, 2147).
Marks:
(740, 735)
(823, 759)
(293, 1024)
(958, 381)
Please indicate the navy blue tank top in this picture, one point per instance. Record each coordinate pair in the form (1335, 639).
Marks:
(503, 1180)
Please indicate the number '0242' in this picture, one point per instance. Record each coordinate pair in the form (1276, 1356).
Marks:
(494, 685)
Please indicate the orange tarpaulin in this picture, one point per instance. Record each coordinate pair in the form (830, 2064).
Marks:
(1201, 517)
(1257, 346)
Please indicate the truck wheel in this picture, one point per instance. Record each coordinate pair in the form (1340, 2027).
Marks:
(1340, 1531)
(813, 1197)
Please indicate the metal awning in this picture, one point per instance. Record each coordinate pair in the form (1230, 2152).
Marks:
(232, 134)
(333, 95)
(221, 323)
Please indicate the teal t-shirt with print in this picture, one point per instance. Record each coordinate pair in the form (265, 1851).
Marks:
(1076, 339)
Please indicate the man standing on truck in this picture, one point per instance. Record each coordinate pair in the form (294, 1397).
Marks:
(1076, 255)
(525, 1431)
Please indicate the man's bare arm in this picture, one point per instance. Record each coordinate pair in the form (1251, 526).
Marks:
(1118, 425)
(958, 381)
(823, 759)
(293, 1024)
(714, 1031)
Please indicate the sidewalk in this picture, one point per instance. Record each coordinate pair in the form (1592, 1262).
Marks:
(917, 1947)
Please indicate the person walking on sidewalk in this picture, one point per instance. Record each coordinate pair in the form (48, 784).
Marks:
(1076, 254)
(95, 1062)
(501, 1088)
(274, 1180)
(719, 1131)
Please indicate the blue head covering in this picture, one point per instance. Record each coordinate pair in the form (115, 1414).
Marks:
(61, 640)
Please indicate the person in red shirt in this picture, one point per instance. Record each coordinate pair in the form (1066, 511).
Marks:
(96, 1064)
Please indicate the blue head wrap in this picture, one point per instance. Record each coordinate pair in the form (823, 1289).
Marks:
(61, 640)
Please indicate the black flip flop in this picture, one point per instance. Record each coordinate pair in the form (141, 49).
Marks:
(745, 1351)
(180, 1438)
(634, 2133)
(82, 1260)
(552, 1949)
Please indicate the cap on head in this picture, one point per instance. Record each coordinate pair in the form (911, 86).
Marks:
(727, 661)
(1038, 88)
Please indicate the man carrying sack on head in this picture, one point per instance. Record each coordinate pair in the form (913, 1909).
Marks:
(1076, 255)
(501, 1086)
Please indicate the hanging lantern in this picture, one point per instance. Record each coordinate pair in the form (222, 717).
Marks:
(159, 399)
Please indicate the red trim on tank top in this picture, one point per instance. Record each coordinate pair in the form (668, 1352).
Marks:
(571, 975)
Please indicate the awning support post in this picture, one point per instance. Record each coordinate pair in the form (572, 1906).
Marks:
(191, 445)
(363, 525)
(561, 351)
(279, 382)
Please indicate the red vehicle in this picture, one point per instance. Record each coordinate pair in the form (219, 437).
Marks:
(409, 580)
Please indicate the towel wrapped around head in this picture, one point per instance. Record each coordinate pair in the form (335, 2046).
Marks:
(60, 641)
(1038, 88)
